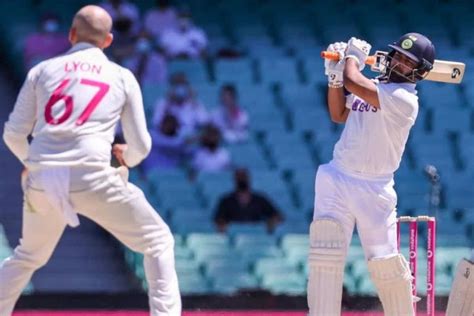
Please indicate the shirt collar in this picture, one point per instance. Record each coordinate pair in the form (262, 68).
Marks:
(80, 46)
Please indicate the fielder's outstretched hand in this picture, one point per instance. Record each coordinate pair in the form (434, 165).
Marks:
(333, 69)
(118, 151)
(359, 50)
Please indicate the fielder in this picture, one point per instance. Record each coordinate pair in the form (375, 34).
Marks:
(356, 187)
(71, 105)
(461, 298)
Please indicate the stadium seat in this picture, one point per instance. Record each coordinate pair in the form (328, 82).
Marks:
(194, 70)
(248, 155)
(187, 267)
(249, 228)
(194, 284)
(244, 240)
(256, 253)
(278, 70)
(301, 227)
(288, 283)
(203, 255)
(230, 283)
(236, 71)
(265, 266)
(197, 240)
(220, 266)
(289, 241)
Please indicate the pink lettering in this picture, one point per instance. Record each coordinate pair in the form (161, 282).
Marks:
(96, 69)
(76, 65)
(83, 67)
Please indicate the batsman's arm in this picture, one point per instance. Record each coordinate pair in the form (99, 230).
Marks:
(134, 123)
(22, 119)
(356, 83)
(337, 105)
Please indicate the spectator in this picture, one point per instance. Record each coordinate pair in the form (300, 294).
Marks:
(169, 146)
(123, 40)
(230, 118)
(244, 205)
(181, 102)
(161, 18)
(210, 157)
(123, 9)
(148, 66)
(46, 43)
(185, 41)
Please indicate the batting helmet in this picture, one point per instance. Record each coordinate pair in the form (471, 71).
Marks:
(418, 48)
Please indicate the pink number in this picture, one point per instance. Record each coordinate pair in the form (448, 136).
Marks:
(90, 107)
(55, 97)
(103, 89)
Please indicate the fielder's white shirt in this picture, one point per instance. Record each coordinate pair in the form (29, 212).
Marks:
(71, 105)
(373, 140)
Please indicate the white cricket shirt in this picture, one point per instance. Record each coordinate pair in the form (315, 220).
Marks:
(373, 140)
(70, 105)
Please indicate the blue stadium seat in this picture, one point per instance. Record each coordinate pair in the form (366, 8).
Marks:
(248, 228)
(194, 284)
(452, 119)
(245, 240)
(248, 155)
(274, 266)
(278, 70)
(230, 282)
(236, 71)
(289, 241)
(288, 283)
(195, 70)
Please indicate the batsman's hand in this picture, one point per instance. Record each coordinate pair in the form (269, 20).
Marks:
(333, 69)
(359, 50)
(118, 150)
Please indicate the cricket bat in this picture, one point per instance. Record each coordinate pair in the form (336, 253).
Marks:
(443, 70)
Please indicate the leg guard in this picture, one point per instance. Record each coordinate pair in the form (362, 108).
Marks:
(392, 279)
(326, 267)
(461, 298)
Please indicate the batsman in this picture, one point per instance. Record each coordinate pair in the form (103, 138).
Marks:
(461, 298)
(356, 186)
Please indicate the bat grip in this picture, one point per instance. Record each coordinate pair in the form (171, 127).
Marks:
(335, 56)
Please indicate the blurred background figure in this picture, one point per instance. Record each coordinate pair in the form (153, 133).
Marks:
(184, 41)
(121, 10)
(160, 18)
(245, 206)
(210, 157)
(181, 102)
(148, 65)
(49, 41)
(169, 146)
(229, 117)
(124, 36)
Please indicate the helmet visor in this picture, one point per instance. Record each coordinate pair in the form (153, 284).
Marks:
(404, 52)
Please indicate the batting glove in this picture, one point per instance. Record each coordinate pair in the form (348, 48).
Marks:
(333, 69)
(358, 50)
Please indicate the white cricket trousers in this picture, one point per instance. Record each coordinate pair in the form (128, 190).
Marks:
(121, 208)
(352, 200)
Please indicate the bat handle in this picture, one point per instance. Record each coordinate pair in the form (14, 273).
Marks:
(335, 56)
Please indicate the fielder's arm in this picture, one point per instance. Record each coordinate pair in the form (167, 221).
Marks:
(134, 124)
(23, 118)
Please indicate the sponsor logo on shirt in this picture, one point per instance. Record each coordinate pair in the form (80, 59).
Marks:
(361, 106)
